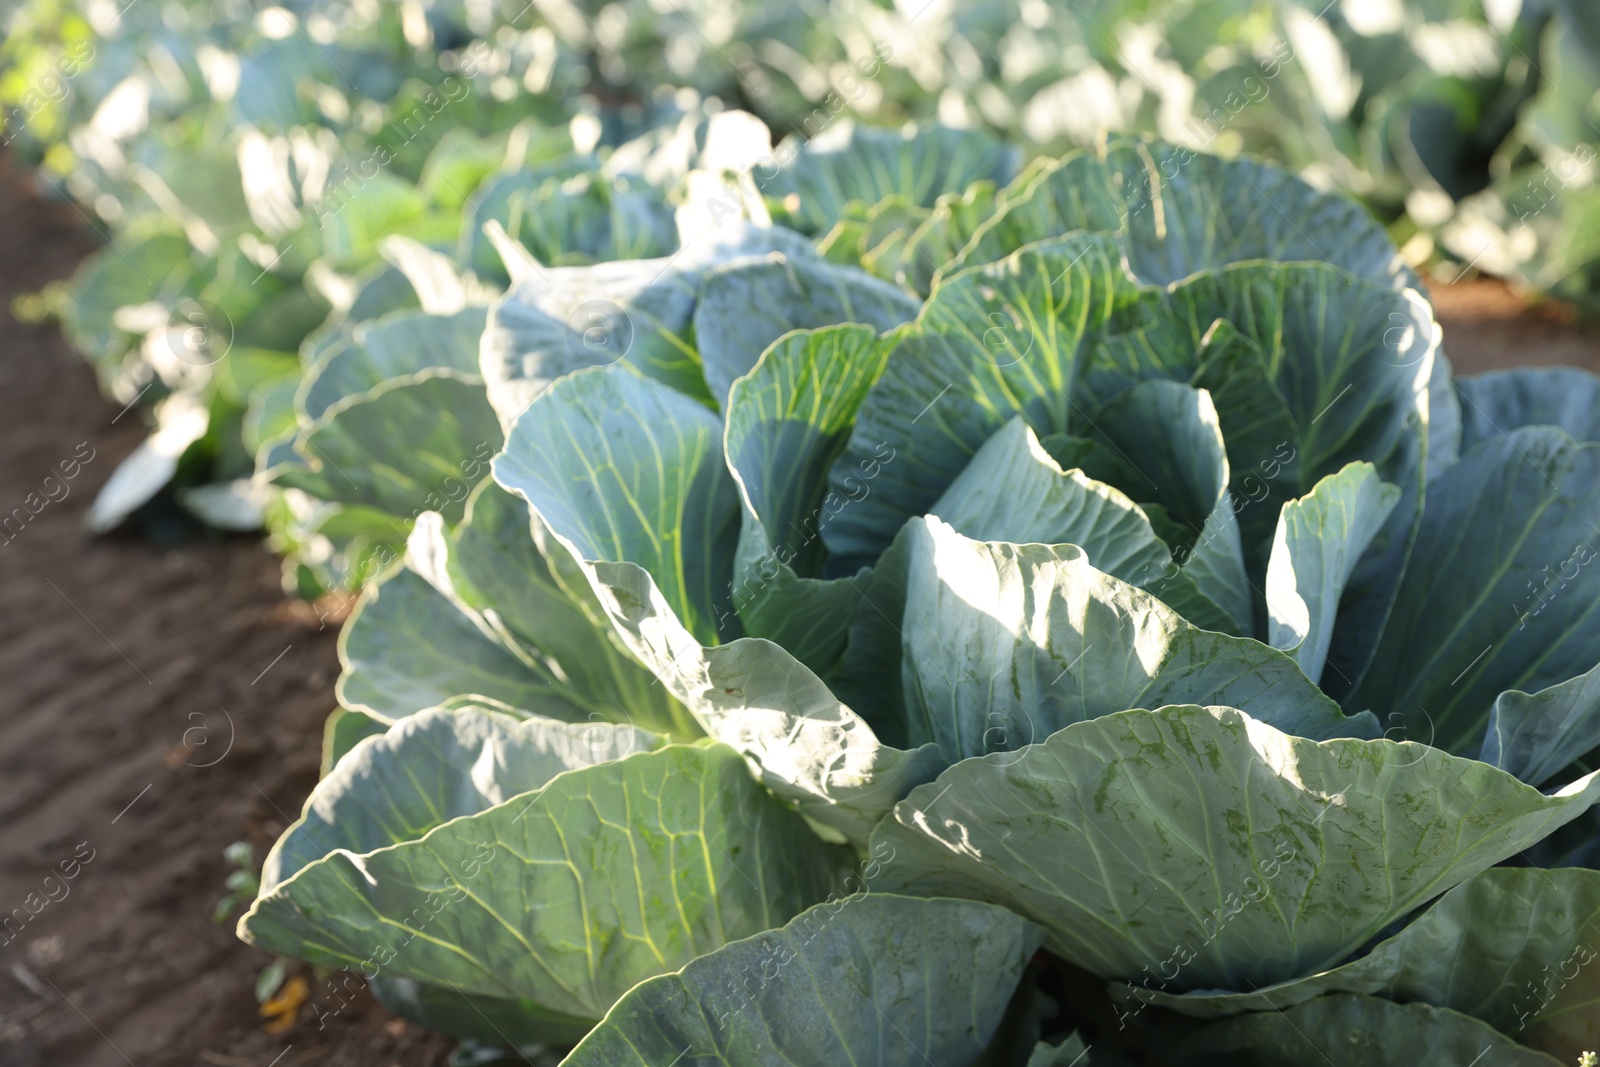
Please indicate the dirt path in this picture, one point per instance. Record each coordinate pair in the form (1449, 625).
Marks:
(157, 704)
(125, 671)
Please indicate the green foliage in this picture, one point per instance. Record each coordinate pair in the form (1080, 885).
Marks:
(1070, 657)
(879, 597)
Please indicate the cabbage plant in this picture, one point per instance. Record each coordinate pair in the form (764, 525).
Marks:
(245, 181)
(1138, 649)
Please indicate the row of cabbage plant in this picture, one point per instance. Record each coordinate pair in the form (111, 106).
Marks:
(1061, 613)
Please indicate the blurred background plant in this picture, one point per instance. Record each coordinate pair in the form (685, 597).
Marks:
(273, 181)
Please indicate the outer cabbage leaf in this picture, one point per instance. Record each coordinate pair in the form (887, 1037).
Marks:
(747, 304)
(805, 745)
(624, 469)
(495, 1021)
(1510, 946)
(874, 978)
(1202, 849)
(401, 343)
(524, 588)
(916, 261)
(409, 646)
(448, 428)
(1536, 736)
(556, 895)
(1180, 212)
(1469, 622)
(1365, 1032)
(1003, 645)
(848, 163)
(559, 319)
(589, 217)
(436, 766)
(1497, 403)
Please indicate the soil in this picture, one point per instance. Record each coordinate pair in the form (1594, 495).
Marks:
(1488, 327)
(158, 704)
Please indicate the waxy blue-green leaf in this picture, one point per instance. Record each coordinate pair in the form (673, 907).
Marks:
(436, 766)
(787, 421)
(1013, 490)
(556, 320)
(1536, 736)
(875, 978)
(1003, 645)
(804, 744)
(528, 591)
(1185, 471)
(848, 163)
(342, 731)
(561, 319)
(381, 290)
(568, 896)
(399, 344)
(1511, 947)
(1179, 212)
(408, 647)
(1497, 403)
(1320, 537)
(995, 342)
(1363, 1032)
(1257, 429)
(1201, 849)
(1348, 357)
(449, 430)
(1498, 593)
(625, 470)
(493, 1021)
(747, 304)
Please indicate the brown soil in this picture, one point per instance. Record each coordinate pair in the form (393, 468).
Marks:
(1488, 327)
(126, 670)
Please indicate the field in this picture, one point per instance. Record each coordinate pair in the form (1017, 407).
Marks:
(165, 700)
